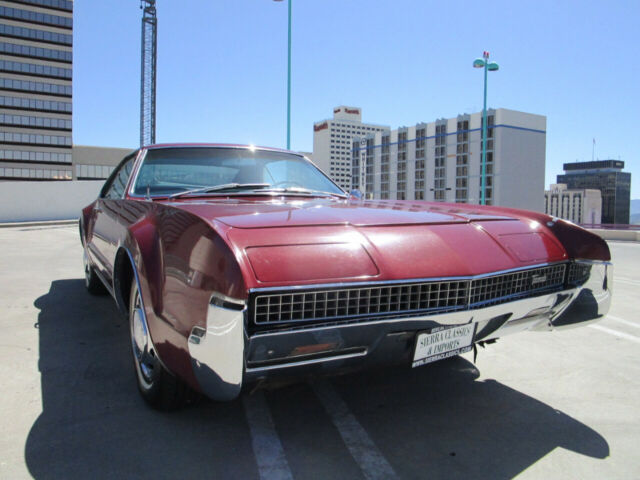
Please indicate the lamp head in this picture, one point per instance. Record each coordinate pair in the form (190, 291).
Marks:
(492, 67)
(478, 63)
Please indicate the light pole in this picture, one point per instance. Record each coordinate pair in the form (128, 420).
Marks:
(488, 67)
(288, 79)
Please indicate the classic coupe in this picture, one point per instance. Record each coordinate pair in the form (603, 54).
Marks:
(236, 265)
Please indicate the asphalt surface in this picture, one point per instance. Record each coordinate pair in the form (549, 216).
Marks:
(534, 405)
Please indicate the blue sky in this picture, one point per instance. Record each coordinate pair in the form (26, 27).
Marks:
(222, 69)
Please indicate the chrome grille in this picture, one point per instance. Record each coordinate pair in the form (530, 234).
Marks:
(494, 289)
(400, 299)
(354, 302)
(578, 273)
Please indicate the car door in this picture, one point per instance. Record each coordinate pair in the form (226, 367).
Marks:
(104, 239)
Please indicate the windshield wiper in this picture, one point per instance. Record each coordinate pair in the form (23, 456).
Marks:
(303, 191)
(221, 188)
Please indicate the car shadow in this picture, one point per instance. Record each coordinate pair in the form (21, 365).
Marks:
(438, 419)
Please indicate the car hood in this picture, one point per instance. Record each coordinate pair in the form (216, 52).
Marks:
(299, 242)
(299, 212)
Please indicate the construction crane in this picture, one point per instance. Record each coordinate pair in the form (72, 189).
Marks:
(148, 73)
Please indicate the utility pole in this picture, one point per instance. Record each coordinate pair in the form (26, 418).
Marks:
(288, 76)
(148, 73)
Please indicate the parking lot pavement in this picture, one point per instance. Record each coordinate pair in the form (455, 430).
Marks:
(534, 405)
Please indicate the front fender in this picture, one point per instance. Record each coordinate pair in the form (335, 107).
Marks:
(182, 262)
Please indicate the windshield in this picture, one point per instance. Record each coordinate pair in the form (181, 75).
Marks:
(172, 170)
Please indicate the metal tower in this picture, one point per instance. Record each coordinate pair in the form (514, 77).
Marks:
(148, 73)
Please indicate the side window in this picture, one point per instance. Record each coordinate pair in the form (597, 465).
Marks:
(118, 182)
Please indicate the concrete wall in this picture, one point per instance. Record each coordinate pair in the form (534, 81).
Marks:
(628, 235)
(32, 201)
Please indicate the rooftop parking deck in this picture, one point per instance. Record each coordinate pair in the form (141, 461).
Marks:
(539, 405)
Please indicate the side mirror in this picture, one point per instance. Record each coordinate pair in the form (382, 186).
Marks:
(356, 193)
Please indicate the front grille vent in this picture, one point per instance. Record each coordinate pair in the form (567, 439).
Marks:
(491, 290)
(401, 299)
(578, 273)
(354, 302)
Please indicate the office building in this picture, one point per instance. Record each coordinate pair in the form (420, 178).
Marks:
(332, 141)
(441, 160)
(35, 89)
(606, 176)
(582, 206)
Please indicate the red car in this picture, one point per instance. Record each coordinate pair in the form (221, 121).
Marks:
(238, 264)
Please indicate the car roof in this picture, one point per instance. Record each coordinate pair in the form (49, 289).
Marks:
(217, 145)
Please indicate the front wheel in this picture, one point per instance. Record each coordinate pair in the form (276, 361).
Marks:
(158, 387)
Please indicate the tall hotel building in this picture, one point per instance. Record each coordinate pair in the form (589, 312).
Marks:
(441, 161)
(35, 89)
(332, 141)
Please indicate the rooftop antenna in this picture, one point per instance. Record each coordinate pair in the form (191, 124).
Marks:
(148, 73)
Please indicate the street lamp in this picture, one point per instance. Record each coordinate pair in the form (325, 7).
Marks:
(288, 80)
(491, 67)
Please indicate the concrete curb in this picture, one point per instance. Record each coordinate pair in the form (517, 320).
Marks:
(42, 223)
(626, 235)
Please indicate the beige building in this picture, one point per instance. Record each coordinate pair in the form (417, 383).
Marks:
(441, 160)
(576, 205)
(332, 140)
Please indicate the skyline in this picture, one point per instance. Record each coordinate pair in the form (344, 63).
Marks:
(222, 70)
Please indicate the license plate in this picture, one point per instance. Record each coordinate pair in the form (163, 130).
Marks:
(442, 343)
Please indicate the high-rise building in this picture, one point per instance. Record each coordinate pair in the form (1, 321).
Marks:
(578, 206)
(441, 160)
(332, 142)
(608, 177)
(36, 38)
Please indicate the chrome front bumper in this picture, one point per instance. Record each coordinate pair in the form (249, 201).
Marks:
(223, 355)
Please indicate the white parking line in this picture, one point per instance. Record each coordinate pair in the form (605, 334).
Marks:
(270, 457)
(622, 320)
(373, 465)
(629, 281)
(610, 331)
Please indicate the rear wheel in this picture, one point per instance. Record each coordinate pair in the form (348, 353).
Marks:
(91, 280)
(158, 387)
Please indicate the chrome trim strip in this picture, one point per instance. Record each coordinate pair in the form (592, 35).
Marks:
(593, 262)
(142, 153)
(106, 284)
(225, 299)
(375, 283)
(302, 363)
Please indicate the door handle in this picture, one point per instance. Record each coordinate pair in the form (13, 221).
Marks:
(97, 209)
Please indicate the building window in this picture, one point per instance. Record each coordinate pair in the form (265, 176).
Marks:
(370, 168)
(440, 174)
(401, 181)
(488, 167)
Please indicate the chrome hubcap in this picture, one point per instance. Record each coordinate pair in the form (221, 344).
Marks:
(143, 353)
